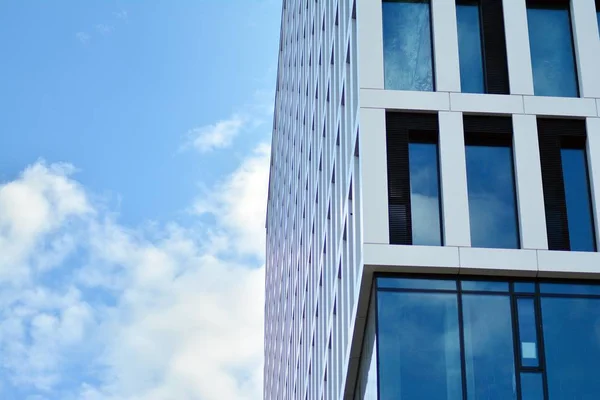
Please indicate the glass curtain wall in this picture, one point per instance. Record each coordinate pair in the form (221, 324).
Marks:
(449, 339)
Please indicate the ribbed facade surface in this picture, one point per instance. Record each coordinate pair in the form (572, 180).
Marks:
(339, 209)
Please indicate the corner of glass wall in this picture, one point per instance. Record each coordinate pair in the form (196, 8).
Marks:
(407, 45)
(366, 384)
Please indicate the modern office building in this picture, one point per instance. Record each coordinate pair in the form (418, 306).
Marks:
(433, 220)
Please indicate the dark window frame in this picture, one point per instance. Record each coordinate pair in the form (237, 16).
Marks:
(555, 135)
(401, 130)
(493, 45)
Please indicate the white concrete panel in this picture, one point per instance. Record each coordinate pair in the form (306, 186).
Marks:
(374, 172)
(528, 179)
(587, 46)
(593, 155)
(517, 47)
(453, 180)
(598, 106)
(498, 261)
(370, 44)
(560, 106)
(424, 257)
(445, 46)
(404, 100)
(486, 103)
(568, 263)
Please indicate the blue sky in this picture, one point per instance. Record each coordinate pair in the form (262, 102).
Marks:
(134, 161)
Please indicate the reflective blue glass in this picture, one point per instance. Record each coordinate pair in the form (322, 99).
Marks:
(419, 347)
(524, 287)
(407, 51)
(469, 48)
(552, 57)
(407, 283)
(485, 286)
(532, 386)
(577, 197)
(424, 194)
(528, 343)
(565, 288)
(572, 347)
(492, 208)
(489, 360)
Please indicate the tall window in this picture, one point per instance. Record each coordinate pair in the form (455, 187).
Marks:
(551, 44)
(482, 46)
(407, 50)
(486, 339)
(567, 197)
(413, 179)
(491, 183)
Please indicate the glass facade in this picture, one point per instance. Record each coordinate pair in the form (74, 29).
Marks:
(492, 201)
(407, 49)
(424, 193)
(552, 54)
(578, 200)
(450, 339)
(470, 47)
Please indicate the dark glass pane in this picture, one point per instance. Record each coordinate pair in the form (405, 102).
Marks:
(565, 288)
(532, 386)
(572, 347)
(407, 283)
(469, 48)
(577, 197)
(552, 57)
(598, 18)
(524, 287)
(491, 187)
(490, 364)
(407, 51)
(424, 194)
(528, 343)
(419, 348)
(485, 286)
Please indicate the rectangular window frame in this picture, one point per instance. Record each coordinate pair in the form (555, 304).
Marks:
(554, 135)
(493, 45)
(562, 5)
(401, 130)
(494, 131)
(431, 39)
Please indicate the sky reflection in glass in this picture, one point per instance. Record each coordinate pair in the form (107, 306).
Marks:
(577, 197)
(424, 194)
(492, 204)
(552, 56)
(490, 364)
(407, 50)
(418, 346)
(572, 344)
(469, 48)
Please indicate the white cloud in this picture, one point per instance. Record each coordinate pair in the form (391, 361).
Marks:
(216, 136)
(239, 203)
(140, 315)
(83, 37)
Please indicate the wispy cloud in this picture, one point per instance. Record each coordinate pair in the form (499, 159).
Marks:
(104, 29)
(83, 37)
(221, 134)
(216, 136)
(139, 315)
(121, 14)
